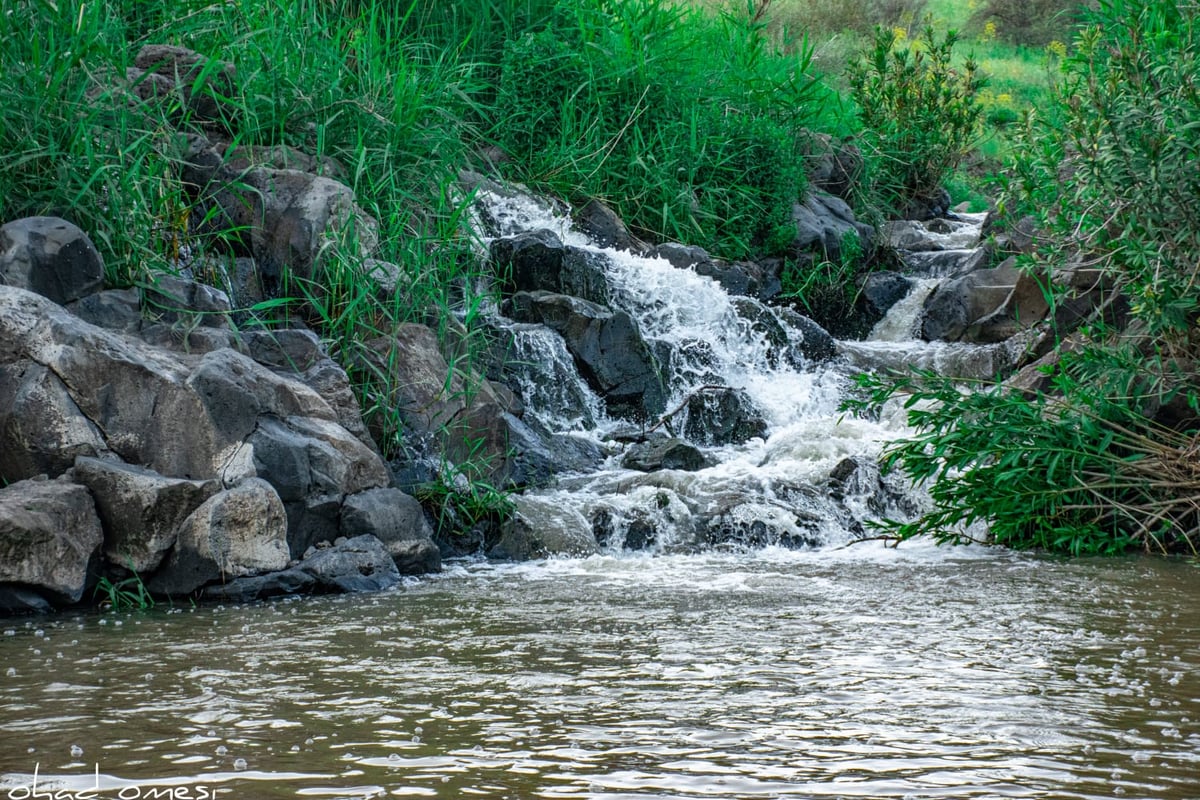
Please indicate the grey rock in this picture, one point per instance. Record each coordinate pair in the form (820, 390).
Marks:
(173, 300)
(42, 430)
(946, 263)
(808, 342)
(140, 510)
(202, 82)
(51, 257)
(358, 564)
(237, 532)
(49, 534)
(681, 256)
(540, 456)
(605, 228)
(882, 290)
(247, 157)
(986, 306)
(822, 220)
(113, 309)
(462, 416)
(606, 345)
(540, 527)
(397, 520)
(743, 279)
(718, 418)
(659, 454)
(539, 261)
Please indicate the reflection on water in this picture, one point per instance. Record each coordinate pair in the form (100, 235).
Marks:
(861, 673)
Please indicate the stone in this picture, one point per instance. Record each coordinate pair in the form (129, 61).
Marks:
(945, 263)
(49, 535)
(398, 521)
(528, 261)
(602, 225)
(140, 510)
(42, 430)
(539, 261)
(540, 527)
(51, 257)
(15, 599)
(237, 532)
(261, 587)
(113, 309)
(539, 456)
(203, 83)
(808, 342)
(172, 300)
(740, 278)
(659, 454)
(987, 306)
(247, 157)
(882, 290)
(681, 256)
(606, 345)
(457, 410)
(822, 221)
(720, 418)
(357, 564)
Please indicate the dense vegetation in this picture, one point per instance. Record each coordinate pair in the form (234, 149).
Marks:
(1103, 458)
(693, 120)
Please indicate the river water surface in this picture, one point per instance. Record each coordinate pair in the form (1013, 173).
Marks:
(864, 672)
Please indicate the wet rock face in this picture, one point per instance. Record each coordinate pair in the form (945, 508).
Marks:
(539, 261)
(606, 345)
(51, 257)
(539, 527)
(822, 221)
(666, 453)
(49, 536)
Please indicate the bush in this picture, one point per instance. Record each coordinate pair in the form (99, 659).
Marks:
(920, 114)
(687, 125)
(1027, 22)
(1105, 459)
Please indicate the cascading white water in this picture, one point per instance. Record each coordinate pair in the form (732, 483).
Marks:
(765, 490)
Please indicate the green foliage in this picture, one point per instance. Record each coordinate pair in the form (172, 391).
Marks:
(128, 594)
(687, 125)
(1110, 167)
(826, 290)
(463, 499)
(920, 113)
(1027, 22)
(1081, 468)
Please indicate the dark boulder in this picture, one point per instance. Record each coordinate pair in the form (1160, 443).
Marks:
(398, 521)
(659, 454)
(51, 257)
(723, 417)
(606, 345)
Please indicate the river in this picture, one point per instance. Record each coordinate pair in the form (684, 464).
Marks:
(861, 672)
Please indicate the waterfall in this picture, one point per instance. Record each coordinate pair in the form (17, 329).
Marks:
(777, 488)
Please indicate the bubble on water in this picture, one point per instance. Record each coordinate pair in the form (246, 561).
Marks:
(309, 742)
(37, 651)
(103, 621)
(58, 654)
(245, 629)
(95, 659)
(373, 630)
(394, 757)
(416, 740)
(76, 751)
(149, 676)
(39, 633)
(9, 632)
(418, 729)
(239, 764)
(222, 750)
(11, 672)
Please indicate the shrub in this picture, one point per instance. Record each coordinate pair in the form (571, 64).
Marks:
(1027, 22)
(920, 113)
(1105, 459)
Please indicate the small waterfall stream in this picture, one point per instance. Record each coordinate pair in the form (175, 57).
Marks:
(770, 489)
